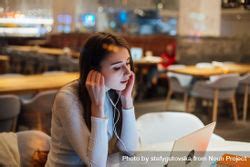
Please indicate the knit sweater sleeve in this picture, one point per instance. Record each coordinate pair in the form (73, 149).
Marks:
(129, 135)
(91, 147)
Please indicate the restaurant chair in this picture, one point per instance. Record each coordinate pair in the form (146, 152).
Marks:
(15, 61)
(10, 109)
(159, 127)
(48, 63)
(178, 83)
(220, 87)
(244, 88)
(30, 63)
(68, 64)
(36, 112)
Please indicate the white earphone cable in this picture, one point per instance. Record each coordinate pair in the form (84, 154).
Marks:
(116, 121)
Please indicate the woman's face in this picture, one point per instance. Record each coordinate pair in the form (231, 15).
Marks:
(169, 48)
(116, 69)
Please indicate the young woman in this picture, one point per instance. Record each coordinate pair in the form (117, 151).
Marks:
(89, 113)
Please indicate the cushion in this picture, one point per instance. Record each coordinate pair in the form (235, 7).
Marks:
(9, 155)
(33, 147)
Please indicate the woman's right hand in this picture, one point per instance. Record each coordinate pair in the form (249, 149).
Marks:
(96, 88)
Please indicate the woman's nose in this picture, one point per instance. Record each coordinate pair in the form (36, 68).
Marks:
(127, 70)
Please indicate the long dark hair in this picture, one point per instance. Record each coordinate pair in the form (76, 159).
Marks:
(92, 54)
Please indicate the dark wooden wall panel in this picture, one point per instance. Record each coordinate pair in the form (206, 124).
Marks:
(154, 43)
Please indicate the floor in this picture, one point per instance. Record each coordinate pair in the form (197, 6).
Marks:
(225, 127)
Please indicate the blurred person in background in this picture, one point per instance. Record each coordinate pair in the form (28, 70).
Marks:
(168, 58)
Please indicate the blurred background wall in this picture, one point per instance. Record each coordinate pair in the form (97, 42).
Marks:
(197, 26)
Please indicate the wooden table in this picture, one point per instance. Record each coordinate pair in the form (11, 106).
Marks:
(49, 51)
(207, 72)
(19, 84)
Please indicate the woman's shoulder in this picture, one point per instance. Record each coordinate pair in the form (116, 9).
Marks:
(70, 89)
(67, 96)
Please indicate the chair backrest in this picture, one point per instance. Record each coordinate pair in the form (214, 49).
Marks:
(162, 127)
(41, 102)
(244, 84)
(175, 85)
(68, 64)
(227, 81)
(9, 111)
(184, 80)
(166, 126)
(245, 79)
(36, 113)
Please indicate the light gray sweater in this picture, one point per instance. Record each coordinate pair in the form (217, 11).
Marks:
(72, 144)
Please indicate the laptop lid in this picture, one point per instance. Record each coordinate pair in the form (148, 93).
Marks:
(136, 53)
(194, 145)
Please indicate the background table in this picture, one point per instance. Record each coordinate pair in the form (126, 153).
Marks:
(216, 70)
(20, 84)
(43, 50)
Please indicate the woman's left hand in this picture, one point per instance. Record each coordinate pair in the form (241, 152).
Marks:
(126, 94)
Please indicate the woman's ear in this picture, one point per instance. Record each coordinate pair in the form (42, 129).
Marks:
(95, 68)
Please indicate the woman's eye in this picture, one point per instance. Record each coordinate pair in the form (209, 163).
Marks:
(117, 68)
(128, 63)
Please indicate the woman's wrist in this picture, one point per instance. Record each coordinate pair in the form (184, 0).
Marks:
(97, 111)
(127, 103)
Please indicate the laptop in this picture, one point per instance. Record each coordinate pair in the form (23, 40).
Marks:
(191, 146)
(136, 53)
(190, 149)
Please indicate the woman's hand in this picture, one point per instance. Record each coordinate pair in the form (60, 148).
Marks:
(96, 89)
(126, 94)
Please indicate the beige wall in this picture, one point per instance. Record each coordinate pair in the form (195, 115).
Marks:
(199, 18)
(207, 49)
(235, 25)
(63, 7)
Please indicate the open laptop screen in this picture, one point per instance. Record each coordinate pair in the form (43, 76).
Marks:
(192, 145)
(136, 53)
